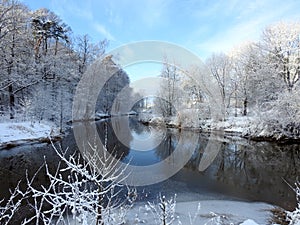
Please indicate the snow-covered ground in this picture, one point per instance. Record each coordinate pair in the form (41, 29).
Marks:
(22, 132)
(231, 125)
(211, 212)
(207, 212)
(245, 126)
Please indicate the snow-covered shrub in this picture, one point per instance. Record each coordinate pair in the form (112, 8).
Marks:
(9, 207)
(188, 118)
(157, 121)
(82, 190)
(145, 117)
(164, 210)
(279, 119)
(294, 217)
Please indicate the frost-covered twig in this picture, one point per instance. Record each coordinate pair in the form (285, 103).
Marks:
(164, 211)
(194, 218)
(9, 208)
(84, 188)
(294, 217)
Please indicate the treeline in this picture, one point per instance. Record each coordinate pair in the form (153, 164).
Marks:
(259, 80)
(41, 61)
(258, 73)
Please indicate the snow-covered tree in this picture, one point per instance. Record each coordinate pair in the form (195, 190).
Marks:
(47, 30)
(15, 57)
(110, 91)
(245, 68)
(169, 90)
(281, 44)
(193, 94)
(220, 67)
(88, 52)
(37, 63)
(98, 89)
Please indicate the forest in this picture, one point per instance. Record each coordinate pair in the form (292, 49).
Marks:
(42, 62)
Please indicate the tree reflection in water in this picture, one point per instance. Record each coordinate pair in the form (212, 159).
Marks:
(256, 171)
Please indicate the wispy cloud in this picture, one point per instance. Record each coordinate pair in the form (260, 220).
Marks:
(154, 11)
(204, 26)
(246, 22)
(102, 30)
(84, 12)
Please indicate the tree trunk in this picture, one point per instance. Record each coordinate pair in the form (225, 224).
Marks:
(99, 209)
(169, 109)
(245, 107)
(11, 101)
(61, 112)
(56, 46)
(236, 99)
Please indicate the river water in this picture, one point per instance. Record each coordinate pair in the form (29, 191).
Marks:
(235, 168)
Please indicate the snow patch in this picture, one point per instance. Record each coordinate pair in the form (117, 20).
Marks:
(249, 222)
(22, 131)
(209, 212)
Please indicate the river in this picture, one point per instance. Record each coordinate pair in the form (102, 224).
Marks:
(239, 170)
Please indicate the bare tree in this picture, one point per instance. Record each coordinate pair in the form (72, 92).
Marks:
(281, 43)
(168, 93)
(220, 67)
(88, 51)
(245, 66)
(9, 207)
(14, 52)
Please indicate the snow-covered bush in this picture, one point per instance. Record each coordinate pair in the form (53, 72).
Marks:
(280, 118)
(145, 117)
(81, 190)
(9, 207)
(157, 121)
(188, 118)
(164, 210)
(294, 217)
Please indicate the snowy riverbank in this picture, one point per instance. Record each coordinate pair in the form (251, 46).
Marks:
(17, 133)
(250, 127)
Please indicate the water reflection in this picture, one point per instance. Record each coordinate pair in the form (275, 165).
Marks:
(108, 138)
(255, 171)
(141, 145)
(249, 170)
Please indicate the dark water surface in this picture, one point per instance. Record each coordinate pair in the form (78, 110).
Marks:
(240, 169)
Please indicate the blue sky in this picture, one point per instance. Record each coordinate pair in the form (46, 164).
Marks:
(202, 26)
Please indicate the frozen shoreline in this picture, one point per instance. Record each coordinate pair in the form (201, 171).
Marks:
(249, 127)
(209, 212)
(17, 133)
